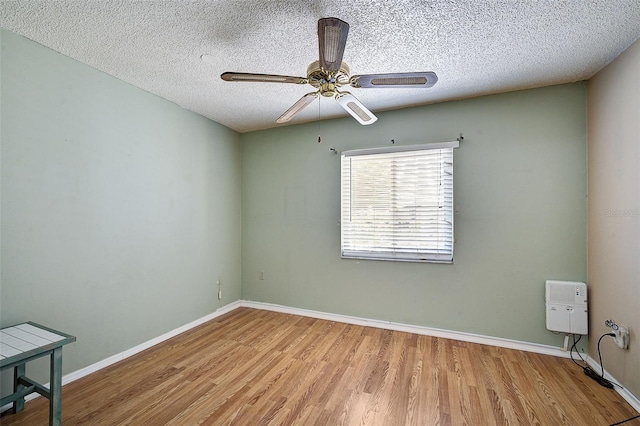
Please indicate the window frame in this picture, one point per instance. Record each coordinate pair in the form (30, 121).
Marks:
(444, 221)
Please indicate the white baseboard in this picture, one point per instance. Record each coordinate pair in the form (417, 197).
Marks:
(146, 345)
(387, 325)
(75, 375)
(417, 329)
(447, 334)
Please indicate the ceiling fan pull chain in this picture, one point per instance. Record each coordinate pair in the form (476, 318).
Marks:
(319, 102)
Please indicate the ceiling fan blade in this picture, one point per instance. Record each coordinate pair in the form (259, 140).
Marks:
(332, 38)
(400, 80)
(354, 107)
(264, 78)
(297, 107)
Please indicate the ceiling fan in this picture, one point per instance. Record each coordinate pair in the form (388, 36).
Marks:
(329, 74)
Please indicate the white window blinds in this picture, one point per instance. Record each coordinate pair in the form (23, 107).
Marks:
(397, 203)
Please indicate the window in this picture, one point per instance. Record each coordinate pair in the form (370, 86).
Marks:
(397, 203)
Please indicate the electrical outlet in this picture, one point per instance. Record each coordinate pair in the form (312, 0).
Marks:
(622, 337)
(261, 275)
(621, 333)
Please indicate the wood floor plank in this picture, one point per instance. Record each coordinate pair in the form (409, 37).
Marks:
(253, 367)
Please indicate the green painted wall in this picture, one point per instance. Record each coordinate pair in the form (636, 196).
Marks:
(119, 209)
(520, 185)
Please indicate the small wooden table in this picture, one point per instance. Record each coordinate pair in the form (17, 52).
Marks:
(25, 342)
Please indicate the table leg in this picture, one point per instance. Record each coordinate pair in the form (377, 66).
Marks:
(55, 387)
(18, 371)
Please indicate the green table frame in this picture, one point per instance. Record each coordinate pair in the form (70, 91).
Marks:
(45, 341)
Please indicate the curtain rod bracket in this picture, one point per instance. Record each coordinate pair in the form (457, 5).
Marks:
(333, 150)
(461, 138)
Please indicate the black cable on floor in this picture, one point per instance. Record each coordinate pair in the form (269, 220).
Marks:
(586, 368)
(600, 377)
(595, 376)
(624, 421)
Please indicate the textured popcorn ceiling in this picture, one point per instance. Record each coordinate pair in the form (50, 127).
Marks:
(476, 47)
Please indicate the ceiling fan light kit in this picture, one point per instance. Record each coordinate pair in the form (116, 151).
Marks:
(329, 73)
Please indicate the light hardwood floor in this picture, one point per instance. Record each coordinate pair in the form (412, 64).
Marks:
(253, 367)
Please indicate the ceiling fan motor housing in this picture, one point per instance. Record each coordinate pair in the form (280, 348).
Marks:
(327, 81)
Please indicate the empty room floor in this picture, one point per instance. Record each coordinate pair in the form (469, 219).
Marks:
(255, 367)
